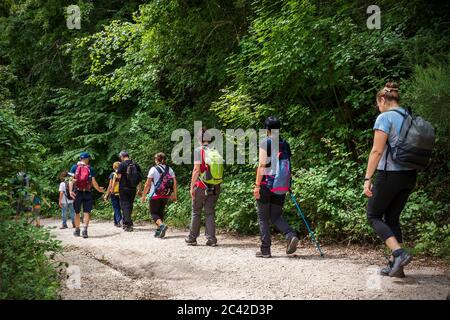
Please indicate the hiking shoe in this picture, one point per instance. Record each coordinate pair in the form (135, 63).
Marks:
(259, 254)
(84, 234)
(398, 264)
(76, 233)
(211, 243)
(157, 232)
(128, 228)
(64, 226)
(292, 245)
(163, 229)
(385, 271)
(190, 241)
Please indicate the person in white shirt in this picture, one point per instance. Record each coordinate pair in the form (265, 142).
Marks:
(163, 177)
(65, 200)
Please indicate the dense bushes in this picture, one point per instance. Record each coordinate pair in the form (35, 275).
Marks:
(26, 261)
(27, 270)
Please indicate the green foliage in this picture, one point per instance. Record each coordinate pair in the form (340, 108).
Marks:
(236, 209)
(428, 94)
(27, 270)
(433, 239)
(26, 252)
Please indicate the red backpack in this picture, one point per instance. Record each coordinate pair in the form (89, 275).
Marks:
(164, 186)
(82, 177)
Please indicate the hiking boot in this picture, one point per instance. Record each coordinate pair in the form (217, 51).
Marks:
(259, 254)
(190, 241)
(157, 232)
(399, 262)
(76, 233)
(64, 226)
(385, 271)
(84, 234)
(163, 229)
(127, 228)
(211, 243)
(292, 245)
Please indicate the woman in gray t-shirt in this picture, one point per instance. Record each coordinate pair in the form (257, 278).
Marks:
(394, 183)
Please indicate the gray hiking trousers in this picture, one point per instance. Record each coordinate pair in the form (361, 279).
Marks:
(207, 202)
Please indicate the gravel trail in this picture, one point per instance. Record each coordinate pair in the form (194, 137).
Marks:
(117, 265)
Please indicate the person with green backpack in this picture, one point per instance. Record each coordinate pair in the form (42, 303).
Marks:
(207, 176)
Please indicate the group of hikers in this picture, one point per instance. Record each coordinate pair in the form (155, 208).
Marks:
(125, 183)
(391, 159)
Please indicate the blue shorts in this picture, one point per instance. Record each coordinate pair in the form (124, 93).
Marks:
(85, 199)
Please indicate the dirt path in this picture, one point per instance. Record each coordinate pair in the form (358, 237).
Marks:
(118, 265)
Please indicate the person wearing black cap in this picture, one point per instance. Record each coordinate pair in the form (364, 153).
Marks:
(270, 204)
(130, 177)
(80, 189)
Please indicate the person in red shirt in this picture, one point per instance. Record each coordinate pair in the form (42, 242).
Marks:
(203, 196)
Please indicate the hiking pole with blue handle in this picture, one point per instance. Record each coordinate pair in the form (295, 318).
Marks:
(306, 223)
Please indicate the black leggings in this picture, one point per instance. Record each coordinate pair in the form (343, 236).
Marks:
(157, 208)
(390, 194)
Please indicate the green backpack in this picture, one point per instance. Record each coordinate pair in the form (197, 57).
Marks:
(214, 165)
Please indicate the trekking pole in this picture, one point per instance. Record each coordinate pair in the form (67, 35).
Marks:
(306, 223)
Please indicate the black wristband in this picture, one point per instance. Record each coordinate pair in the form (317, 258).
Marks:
(367, 179)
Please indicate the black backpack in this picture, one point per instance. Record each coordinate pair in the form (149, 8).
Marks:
(415, 143)
(133, 175)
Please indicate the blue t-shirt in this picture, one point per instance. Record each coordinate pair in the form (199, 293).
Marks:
(390, 122)
(74, 169)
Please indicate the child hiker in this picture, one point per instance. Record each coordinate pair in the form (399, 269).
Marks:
(65, 200)
(113, 194)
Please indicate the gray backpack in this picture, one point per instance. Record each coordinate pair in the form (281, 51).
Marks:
(415, 143)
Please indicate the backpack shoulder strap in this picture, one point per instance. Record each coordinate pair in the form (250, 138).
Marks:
(162, 173)
(159, 169)
(389, 148)
(404, 115)
(202, 158)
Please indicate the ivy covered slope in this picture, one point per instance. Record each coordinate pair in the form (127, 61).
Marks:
(133, 73)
